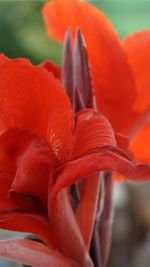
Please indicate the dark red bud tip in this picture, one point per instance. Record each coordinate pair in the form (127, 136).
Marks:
(83, 97)
(67, 66)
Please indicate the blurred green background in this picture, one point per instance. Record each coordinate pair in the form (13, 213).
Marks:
(22, 32)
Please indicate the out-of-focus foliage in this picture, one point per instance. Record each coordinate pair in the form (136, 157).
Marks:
(126, 15)
(22, 32)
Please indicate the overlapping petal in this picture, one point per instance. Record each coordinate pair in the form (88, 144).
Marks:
(51, 153)
(33, 253)
(51, 67)
(137, 48)
(112, 77)
(64, 225)
(95, 149)
(34, 166)
(28, 93)
(92, 131)
(16, 220)
(6, 203)
(105, 159)
(93, 136)
(141, 145)
(13, 143)
(25, 159)
(6, 164)
(87, 208)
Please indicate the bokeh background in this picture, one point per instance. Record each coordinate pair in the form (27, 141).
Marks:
(22, 34)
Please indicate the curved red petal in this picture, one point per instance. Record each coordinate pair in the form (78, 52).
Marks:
(112, 77)
(33, 170)
(28, 92)
(107, 158)
(87, 208)
(141, 145)
(33, 161)
(29, 223)
(64, 225)
(137, 48)
(6, 164)
(33, 253)
(14, 142)
(92, 131)
(51, 67)
(6, 203)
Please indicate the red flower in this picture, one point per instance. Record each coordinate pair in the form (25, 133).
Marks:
(120, 70)
(44, 150)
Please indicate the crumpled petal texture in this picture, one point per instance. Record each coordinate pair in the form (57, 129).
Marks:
(34, 93)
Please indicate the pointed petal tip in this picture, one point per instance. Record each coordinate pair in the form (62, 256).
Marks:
(79, 37)
(82, 74)
(67, 66)
(67, 36)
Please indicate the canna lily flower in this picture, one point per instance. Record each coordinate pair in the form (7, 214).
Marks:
(44, 149)
(120, 70)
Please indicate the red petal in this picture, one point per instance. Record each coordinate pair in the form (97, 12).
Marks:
(123, 144)
(34, 161)
(141, 145)
(51, 67)
(107, 158)
(14, 142)
(113, 80)
(64, 225)
(6, 202)
(137, 48)
(122, 141)
(92, 131)
(33, 170)
(6, 164)
(28, 92)
(33, 253)
(105, 219)
(87, 208)
(136, 121)
(138, 132)
(25, 222)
